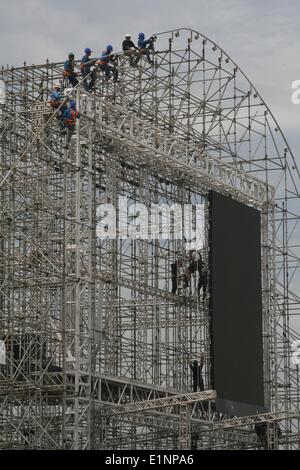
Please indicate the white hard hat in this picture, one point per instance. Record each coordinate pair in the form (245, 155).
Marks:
(57, 85)
(127, 35)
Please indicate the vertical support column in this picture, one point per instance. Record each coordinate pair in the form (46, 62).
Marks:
(91, 288)
(110, 287)
(142, 248)
(185, 427)
(78, 290)
(77, 285)
(181, 309)
(205, 309)
(268, 284)
(157, 311)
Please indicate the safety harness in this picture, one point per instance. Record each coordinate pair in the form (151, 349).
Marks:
(71, 120)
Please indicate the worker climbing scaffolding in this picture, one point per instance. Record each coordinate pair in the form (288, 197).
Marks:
(88, 71)
(146, 46)
(69, 71)
(69, 118)
(58, 103)
(66, 114)
(108, 63)
(195, 266)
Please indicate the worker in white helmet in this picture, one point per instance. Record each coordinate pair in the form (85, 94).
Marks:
(130, 49)
(58, 103)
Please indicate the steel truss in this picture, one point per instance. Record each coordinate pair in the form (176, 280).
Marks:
(90, 326)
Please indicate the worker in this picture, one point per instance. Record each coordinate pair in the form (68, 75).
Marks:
(58, 103)
(107, 63)
(196, 264)
(87, 68)
(194, 440)
(146, 45)
(174, 275)
(70, 115)
(69, 72)
(268, 434)
(202, 281)
(261, 430)
(196, 368)
(130, 49)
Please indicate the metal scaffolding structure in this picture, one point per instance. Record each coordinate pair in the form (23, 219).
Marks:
(97, 346)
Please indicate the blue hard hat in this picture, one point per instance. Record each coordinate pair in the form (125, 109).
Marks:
(73, 104)
(87, 50)
(109, 47)
(141, 36)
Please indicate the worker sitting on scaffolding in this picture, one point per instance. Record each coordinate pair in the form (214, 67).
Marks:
(70, 116)
(69, 72)
(107, 63)
(130, 50)
(87, 69)
(175, 274)
(146, 46)
(58, 103)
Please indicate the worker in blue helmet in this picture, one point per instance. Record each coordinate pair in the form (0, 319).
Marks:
(146, 46)
(108, 63)
(70, 115)
(88, 70)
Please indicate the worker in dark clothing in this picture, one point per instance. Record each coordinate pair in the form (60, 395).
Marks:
(268, 434)
(194, 440)
(59, 104)
(196, 368)
(196, 259)
(196, 263)
(130, 49)
(87, 68)
(107, 63)
(146, 46)
(261, 431)
(69, 72)
(174, 275)
(202, 281)
(70, 116)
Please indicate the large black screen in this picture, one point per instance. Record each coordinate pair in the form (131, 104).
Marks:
(236, 306)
